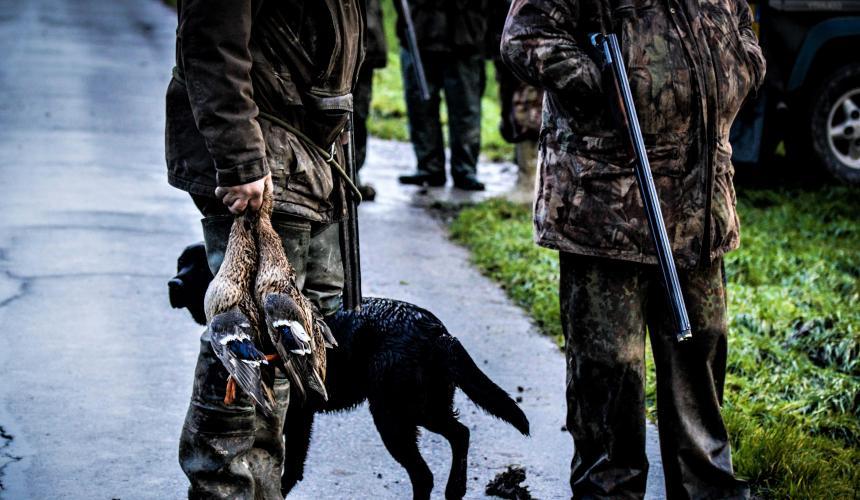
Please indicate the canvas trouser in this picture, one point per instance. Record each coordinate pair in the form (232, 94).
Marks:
(234, 451)
(605, 307)
(462, 79)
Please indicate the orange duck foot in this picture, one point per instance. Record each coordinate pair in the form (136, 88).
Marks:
(271, 358)
(230, 393)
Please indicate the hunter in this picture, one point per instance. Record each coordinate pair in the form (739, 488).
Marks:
(261, 88)
(691, 64)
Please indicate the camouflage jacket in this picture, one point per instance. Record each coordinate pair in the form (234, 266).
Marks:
(691, 64)
(292, 59)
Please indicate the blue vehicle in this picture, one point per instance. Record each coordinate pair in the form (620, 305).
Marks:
(811, 96)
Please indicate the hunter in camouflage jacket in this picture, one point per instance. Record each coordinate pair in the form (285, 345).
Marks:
(691, 64)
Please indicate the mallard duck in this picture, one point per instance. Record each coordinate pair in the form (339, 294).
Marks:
(232, 339)
(230, 294)
(294, 326)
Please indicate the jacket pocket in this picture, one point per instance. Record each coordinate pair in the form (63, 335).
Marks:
(274, 91)
(612, 156)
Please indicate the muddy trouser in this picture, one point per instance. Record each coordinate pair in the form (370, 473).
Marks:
(234, 451)
(462, 78)
(605, 307)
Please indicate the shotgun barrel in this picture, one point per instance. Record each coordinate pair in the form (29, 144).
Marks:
(609, 49)
(349, 241)
(412, 43)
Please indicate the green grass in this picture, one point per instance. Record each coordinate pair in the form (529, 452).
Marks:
(388, 109)
(793, 388)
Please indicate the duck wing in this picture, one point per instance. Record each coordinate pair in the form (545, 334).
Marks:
(298, 347)
(237, 352)
(322, 328)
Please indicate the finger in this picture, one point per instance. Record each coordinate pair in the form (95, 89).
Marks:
(255, 203)
(230, 198)
(221, 191)
(238, 207)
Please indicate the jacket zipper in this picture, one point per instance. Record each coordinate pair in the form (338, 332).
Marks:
(711, 129)
(709, 117)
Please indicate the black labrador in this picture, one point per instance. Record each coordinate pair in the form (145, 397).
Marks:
(402, 360)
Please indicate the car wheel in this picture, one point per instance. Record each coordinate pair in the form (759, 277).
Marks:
(835, 123)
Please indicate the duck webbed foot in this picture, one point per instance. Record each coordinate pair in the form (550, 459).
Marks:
(230, 392)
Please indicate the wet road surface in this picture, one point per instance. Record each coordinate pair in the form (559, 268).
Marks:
(96, 368)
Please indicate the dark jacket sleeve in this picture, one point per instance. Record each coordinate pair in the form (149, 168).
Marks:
(213, 38)
(538, 45)
(750, 42)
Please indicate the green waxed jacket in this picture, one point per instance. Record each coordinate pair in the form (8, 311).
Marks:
(235, 59)
(691, 64)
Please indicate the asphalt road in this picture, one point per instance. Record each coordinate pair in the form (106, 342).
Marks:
(96, 368)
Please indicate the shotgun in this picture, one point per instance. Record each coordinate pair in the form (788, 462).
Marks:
(625, 111)
(349, 248)
(412, 43)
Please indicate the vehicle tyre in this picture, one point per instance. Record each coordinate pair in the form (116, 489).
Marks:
(835, 123)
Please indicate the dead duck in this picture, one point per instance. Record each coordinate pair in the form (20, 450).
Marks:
(229, 304)
(232, 339)
(296, 329)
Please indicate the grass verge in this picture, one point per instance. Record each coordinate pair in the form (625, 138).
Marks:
(793, 388)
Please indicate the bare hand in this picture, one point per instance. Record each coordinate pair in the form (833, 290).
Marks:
(244, 196)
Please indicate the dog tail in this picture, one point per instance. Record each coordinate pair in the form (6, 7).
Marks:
(480, 389)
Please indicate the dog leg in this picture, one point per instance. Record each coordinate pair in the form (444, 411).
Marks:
(399, 434)
(297, 434)
(457, 435)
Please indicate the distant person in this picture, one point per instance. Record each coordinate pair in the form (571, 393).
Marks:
(520, 126)
(451, 37)
(691, 65)
(375, 57)
(520, 118)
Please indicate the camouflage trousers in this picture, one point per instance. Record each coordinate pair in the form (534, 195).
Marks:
(605, 308)
(462, 79)
(235, 452)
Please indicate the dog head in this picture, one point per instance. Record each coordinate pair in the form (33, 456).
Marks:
(188, 287)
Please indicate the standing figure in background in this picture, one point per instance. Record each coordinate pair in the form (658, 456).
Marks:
(520, 112)
(259, 90)
(690, 65)
(521, 116)
(451, 37)
(375, 57)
